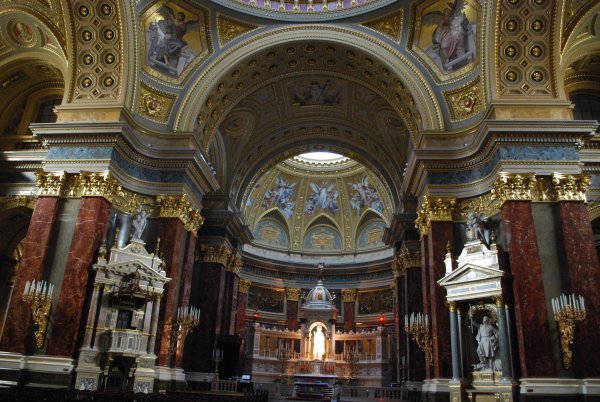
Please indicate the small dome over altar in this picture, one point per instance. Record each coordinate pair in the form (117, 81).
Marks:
(319, 297)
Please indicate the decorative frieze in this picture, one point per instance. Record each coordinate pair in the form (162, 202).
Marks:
(514, 187)
(215, 254)
(178, 206)
(292, 294)
(50, 183)
(244, 286)
(434, 209)
(349, 295)
(14, 201)
(571, 187)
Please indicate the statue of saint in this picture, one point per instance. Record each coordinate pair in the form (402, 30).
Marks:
(487, 345)
(318, 343)
(474, 230)
(139, 223)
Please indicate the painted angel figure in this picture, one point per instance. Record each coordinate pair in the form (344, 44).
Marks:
(450, 38)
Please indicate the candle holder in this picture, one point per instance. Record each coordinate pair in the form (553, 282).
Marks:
(417, 325)
(568, 309)
(217, 358)
(187, 319)
(284, 354)
(39, 297)
(352, 357)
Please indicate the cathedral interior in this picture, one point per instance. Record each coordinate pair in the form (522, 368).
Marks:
(357, 200)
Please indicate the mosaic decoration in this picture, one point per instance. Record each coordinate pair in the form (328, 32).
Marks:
(175, 37)
(324, 196)
(381, 301)
(371, 236)
(316, 93)
(323, 238)
(365, 195)
(446, 34)
(280, 196)
(271, 232)
(264, 299)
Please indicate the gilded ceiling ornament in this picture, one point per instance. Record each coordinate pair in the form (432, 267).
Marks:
(215, 254)
(390, 25)
(230, 29)
(292, 294)
(349, 295)
(155, 104)
(244, 286)
(434, 209)
(514, 187)
(50, 183)
(14, 201)
(21, 33)
(571, 187)
(466, 101)
(99, 184)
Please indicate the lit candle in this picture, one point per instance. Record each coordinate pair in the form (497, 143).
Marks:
(26, 288)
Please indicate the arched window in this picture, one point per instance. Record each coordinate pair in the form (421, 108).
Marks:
(45, 113)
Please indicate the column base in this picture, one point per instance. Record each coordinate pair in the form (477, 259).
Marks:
(172, 379)
(35, 371)
(436, 390)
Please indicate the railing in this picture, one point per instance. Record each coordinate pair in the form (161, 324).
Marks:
(123, 341)
(224, 386)
(361, 357)
(373, 393)
(273, 354)
(305, 6)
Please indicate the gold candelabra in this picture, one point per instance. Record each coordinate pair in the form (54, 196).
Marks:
(352, 357)
(187, 319)
(217, 358)
(284, 354)
(417, 325)
(567, 310)
(39, 297)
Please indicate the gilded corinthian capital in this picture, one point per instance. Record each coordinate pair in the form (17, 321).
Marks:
(349, 295)
(215, 254)
(514, 187)
(244, 286)
(404, 260)
(50, 183)
(570, 187)
(99, 184)
(292, 294)
(434, 209)
(178, 206)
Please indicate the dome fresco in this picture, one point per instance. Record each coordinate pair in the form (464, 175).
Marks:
(306, 205)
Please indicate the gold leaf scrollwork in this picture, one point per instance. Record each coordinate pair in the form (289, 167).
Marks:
(514, 187)
(434, 209)
(235, 264)
(155, 104)
(244, 286)
(50, 183)
(466, 101)
(389, 25)
(349, 295)
(292, 294)
(215, 254)
(230, 29)
(404, 260)
(571, 187)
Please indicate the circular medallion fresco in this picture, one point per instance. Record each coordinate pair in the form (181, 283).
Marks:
(21, 33)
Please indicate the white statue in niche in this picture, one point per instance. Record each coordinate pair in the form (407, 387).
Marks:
(487, 346)
(318, 343)
(139, 223)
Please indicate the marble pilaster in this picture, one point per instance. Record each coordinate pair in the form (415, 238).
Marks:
(90, 228)
(31, 266)
(584, 275)
(532, 327)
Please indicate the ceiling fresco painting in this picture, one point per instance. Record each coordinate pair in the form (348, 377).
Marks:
(175, 38)
(445, 35)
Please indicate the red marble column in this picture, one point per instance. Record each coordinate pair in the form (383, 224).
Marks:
(349, 315)
(242, 308)
(292, 314)
(584, 274)
(440, 233)
(31, 266)
(172, 235)
(425, 290)
(90, 228)
(531, 314)
(186, 285)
